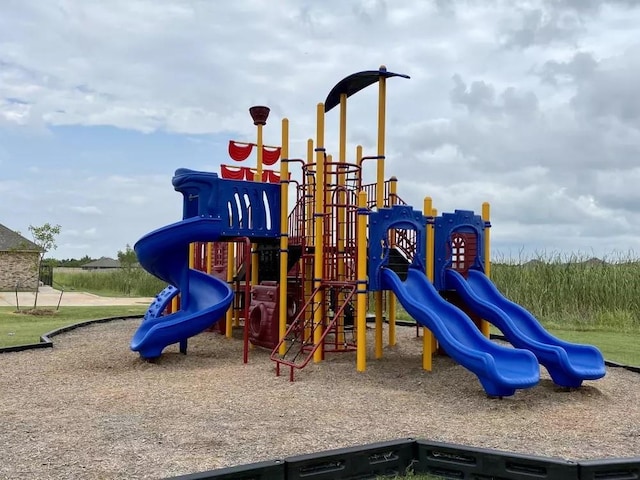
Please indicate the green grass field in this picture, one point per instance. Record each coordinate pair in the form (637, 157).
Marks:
(20, 328)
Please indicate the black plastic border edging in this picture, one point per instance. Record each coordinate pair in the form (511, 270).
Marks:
(269, 470)
(456, 461)
(397, 458)
(46, 342)
(610, 469)
(383, 459)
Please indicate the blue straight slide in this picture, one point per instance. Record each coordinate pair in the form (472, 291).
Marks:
(203, 298)
(501, 370)
(567, 363)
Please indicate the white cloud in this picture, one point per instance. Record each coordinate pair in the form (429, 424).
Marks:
(87, 210)
(532, 106)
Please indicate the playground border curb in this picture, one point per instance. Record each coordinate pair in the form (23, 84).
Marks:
(45, 339)
(402, 457)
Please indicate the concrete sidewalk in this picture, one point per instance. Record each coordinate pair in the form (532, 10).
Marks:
(49, 297)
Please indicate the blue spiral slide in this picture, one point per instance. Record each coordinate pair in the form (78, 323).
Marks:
(567, 363)
(501, 370)
(203, 298)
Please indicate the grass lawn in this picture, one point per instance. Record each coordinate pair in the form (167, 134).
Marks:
(20, 328)
(615, 346)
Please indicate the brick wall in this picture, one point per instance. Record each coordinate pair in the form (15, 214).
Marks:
(18, 267)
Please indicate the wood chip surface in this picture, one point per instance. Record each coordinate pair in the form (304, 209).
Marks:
(90, 408)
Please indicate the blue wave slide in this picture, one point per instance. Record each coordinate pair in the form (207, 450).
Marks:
(204, 299)
(501, 370)
(567, 363)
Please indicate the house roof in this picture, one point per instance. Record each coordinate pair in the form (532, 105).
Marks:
(10, 240)
(103, 262)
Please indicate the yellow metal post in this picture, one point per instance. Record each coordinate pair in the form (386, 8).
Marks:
(175, 304)
(391, 298)
(342, 149)
(310, 186)
(192, 255)
(382, 106)
(318, 263)
(428, 211)
(259, 142)
(209, 255)
(310, 200)
(434, 214)
(341, 213)
(382, 112)
(328, 168)
(230, 265)
(259, 114)
(427, 336)
(485, 327)
(361, 299)
(284, 233)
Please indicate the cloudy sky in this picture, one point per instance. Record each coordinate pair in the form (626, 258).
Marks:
(531, 105)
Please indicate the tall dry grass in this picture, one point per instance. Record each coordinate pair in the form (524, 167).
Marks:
(134, 282)
(575, 291)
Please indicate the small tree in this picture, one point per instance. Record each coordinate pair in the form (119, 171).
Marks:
(128, 261)
(44, 237)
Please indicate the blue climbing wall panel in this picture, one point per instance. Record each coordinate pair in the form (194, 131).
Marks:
(398, 217)
(448, 226)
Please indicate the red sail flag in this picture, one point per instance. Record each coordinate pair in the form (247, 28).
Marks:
(270, 155)
(232, 173)
(246, 173)
(240, 151)
(250, 174)
(274, 177)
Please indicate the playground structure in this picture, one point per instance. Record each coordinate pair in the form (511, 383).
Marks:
(299, 280)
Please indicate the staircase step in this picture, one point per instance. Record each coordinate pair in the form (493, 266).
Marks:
(300, 351)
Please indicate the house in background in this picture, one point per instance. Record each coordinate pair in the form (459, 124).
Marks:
(103, 263)
(19, 258)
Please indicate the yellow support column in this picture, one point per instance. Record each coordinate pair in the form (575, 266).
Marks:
(310, 201)
(382, 110)
(259, 115)
(485, 327)
(434, 214)
(309, 238)
(361, 299)
(230, 265)
(391, 306)
(427, 336)
(284, 234)
(209, 255)
(318, 263)
(341, 213)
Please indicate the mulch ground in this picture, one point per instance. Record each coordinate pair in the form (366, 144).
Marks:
(90, 408)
